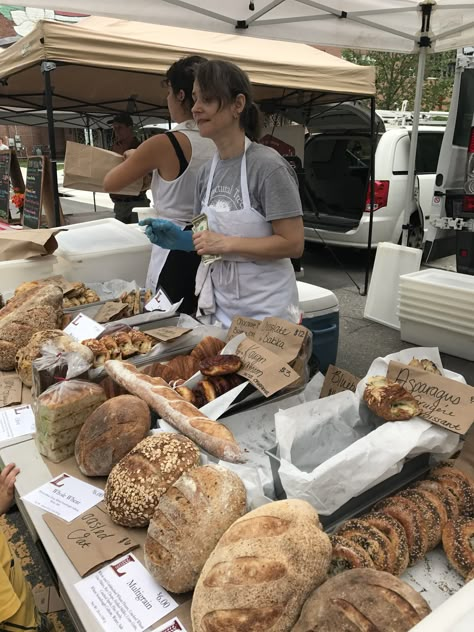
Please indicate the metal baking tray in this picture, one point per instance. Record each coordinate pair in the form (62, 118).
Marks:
(412, 470)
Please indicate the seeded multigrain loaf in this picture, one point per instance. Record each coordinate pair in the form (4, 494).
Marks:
(137, 482)
(112, 430)
(262, 570)
(189, 521)
(362, 599)
(25, 314)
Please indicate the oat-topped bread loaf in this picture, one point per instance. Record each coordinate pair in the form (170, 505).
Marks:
(32, 351)
(262, 570)
(137, 482)
(362, 599)
(188, 522)
(390, 400)
(25, 314)
(110, 432)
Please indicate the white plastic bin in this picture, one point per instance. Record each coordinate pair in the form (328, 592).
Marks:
(320, 309)
(391, 261)
(17, 271)
(102, 250)
(441, 282)
(449, 341)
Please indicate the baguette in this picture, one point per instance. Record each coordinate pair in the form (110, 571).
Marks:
(212, 436)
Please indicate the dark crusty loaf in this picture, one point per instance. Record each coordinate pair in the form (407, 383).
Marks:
(362, 599)
(184, 416)
(110, 433)
(25, 314)
(189, 521)
(137, 482)
(262, 570)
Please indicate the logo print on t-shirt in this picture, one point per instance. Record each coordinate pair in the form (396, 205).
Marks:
(225, 198)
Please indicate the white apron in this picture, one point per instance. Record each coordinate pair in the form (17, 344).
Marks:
(237, 285)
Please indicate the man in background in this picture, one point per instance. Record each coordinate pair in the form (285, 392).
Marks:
(3, 146)
(124, 139)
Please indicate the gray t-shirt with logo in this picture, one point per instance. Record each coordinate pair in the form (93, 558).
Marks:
(272, 184)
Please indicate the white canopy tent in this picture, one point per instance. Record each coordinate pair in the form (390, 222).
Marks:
(407, 26)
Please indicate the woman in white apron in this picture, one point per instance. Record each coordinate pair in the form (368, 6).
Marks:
(175, 159)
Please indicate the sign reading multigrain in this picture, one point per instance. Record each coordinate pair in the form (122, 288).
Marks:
(263, 368)
(443, 402)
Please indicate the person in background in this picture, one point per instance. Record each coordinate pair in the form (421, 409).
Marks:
(17, 606)
(250, 196)
(3, 145)
(175, 159)
(125, 139)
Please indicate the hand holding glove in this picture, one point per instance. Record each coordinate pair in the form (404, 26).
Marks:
(165, 234)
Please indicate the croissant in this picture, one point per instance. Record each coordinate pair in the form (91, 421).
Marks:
(184, 366)
(390, 400)
(160, 370)
(209, 346)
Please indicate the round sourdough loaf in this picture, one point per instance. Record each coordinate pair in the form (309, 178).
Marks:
(262, 570)
(137, 482)
(110, 432)
(362, 599)
(189, 521)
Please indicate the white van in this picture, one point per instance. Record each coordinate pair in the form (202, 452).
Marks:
(335, 191)
(451, 222)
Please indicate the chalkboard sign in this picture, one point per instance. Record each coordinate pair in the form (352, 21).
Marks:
(5, 185)
(33, 204)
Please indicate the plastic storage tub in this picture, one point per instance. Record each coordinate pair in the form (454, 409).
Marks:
(102, 250)
(320, 309)
(17, 271)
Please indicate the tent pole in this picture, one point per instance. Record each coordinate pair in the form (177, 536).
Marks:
(46, 68)
(373, 144)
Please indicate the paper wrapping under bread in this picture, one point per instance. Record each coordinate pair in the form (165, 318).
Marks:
(214, 437)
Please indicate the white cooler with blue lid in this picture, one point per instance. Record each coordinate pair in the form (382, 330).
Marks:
(102, 250)
(320, 309)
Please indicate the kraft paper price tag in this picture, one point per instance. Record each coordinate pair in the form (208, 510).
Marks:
(82, 327)
(263, 368)
(443, 402)
(282, 337)
(11, 388)
(338, 380)
(167, 333)
(110, 311)
(91, 539)
(124, 596)
(65, 496)
(243, 325)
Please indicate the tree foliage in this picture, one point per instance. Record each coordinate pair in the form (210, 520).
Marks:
(396, 77)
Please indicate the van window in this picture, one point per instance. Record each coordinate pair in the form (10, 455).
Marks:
(427, 152)
(465, 111)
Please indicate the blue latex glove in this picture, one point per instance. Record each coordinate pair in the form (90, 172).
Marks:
(165, 234)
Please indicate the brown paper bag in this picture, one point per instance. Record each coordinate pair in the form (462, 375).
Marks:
(27, 243)
(85, 168)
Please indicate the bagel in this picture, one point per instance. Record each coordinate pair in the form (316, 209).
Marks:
(458, 544)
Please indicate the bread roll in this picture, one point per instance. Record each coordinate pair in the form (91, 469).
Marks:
(262, 570)
(25, 314)
(110, 433)
(362, 599)
(189, 521)
(137, 482)
(211, 435)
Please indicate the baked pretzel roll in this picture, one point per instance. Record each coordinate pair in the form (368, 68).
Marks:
(220, 365)
(434, 513)
(395, 532)
(185, 366)
(347, 554)
(458, 535)
(408, 514)
(208, 347)
(459, 483)
(390, 400)
(98, 348)
(448, 499)
(425, 365)
(372, 540)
